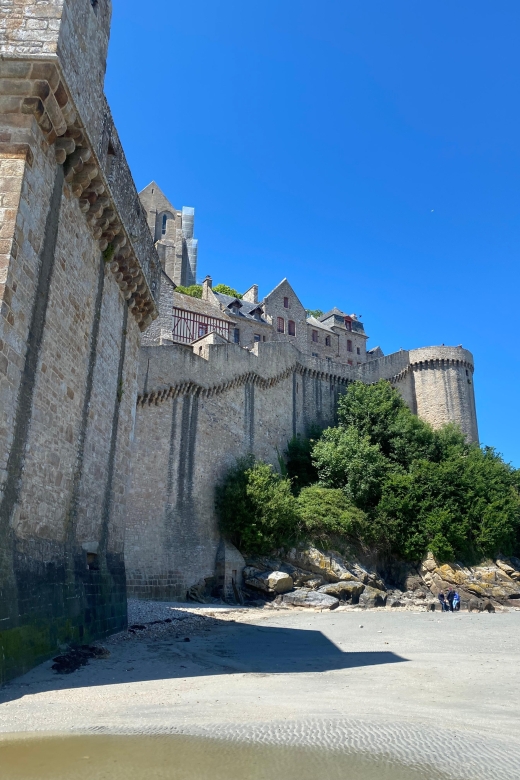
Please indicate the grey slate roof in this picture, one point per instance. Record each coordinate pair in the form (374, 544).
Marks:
(246, 307)
(339, 318)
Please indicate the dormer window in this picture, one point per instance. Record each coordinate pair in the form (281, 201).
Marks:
(235, 307)
(348, 323)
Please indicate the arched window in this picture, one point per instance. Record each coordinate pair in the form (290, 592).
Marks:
(281, 325)
(164, 221)
(292, 328)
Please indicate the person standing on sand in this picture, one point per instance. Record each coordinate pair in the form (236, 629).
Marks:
(442, 601)
(456, 602)
(449, 597)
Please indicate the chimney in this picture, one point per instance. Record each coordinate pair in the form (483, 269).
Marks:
(251, 295)
(206, 286)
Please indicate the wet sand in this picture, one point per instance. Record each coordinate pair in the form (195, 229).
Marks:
(423, 688)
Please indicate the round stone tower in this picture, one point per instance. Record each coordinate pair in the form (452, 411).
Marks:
(443, 387)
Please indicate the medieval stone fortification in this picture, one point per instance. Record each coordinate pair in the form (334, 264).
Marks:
(70, 327)
(103, 437)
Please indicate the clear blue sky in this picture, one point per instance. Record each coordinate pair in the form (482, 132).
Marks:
(368, 150)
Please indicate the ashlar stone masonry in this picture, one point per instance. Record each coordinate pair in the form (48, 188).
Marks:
(78, 280)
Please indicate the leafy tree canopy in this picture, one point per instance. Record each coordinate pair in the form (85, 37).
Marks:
(226, 290)
(195, 290)
(382, 478)
(314, 313)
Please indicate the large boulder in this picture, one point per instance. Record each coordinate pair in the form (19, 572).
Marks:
(268, 581)
(346, 589)
(372, 597)
(310, 598)
(329, 565)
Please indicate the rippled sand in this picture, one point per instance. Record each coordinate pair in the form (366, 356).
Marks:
(186, 758)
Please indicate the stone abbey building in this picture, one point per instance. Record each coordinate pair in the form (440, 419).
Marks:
(122, 400)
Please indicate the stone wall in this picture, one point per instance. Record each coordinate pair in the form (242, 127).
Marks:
(70, 324)
(197, 413)
(442, 379)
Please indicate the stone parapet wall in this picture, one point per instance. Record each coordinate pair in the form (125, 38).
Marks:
(197, 414)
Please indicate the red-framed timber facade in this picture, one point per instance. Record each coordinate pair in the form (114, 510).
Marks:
(188, 326)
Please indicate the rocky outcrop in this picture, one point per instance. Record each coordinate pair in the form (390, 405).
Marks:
(324, 579)
(489, 582)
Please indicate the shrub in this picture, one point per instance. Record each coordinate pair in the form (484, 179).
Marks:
(327, 512)
(226, 290)
(194, 290)
(256, 507)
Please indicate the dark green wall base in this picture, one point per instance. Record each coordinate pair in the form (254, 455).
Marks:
(49, 606)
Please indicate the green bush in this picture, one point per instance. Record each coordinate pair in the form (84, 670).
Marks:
(327, 512)
(194, 290)
(226, 290)
(256, 507)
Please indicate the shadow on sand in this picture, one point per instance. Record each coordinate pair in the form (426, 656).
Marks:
(229, 648)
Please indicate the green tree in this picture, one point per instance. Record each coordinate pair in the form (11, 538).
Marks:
(465, 507)
(226, 290)
(194, 290)
(346, 459)
(314, 313)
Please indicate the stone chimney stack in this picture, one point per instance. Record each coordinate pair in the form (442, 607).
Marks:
(206, 287)
(251, 295)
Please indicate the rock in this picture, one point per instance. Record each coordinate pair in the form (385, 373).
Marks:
(372, 597)
(511, 566)
(487, 582)
(271, 581)
(394, 601)
(314, 582)
(251, 571)
(329, 565)
(310, 598)
(343, 590)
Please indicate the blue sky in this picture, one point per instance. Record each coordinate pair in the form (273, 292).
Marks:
(365, 149)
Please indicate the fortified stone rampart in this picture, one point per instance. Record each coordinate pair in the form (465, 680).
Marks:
(442, 379)
(197, 414)
(78, 280)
